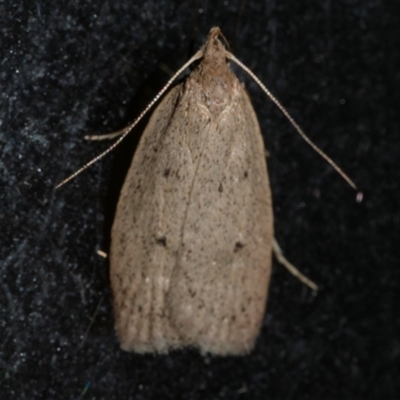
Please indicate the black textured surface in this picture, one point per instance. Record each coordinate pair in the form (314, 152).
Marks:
(84, 67)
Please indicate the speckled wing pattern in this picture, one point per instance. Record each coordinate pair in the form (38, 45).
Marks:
(192, 236)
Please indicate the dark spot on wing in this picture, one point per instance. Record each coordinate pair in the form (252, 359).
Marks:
(166, 172)
(162, 241)
(238, 246)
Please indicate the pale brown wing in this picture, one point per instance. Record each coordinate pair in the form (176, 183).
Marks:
(220, 281)
(146, 231)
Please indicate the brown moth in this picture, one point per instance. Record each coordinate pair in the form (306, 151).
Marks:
(192, 239)
(191, 243)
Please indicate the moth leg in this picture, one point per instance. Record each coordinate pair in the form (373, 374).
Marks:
(107, 136)
(292, 269)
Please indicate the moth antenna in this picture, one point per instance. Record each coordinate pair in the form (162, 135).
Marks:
(294, 123)
(126, 130)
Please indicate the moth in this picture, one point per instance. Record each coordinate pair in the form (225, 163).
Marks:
(193, 237)
(191, 244)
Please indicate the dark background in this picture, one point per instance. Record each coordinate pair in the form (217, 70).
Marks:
(90, 67)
